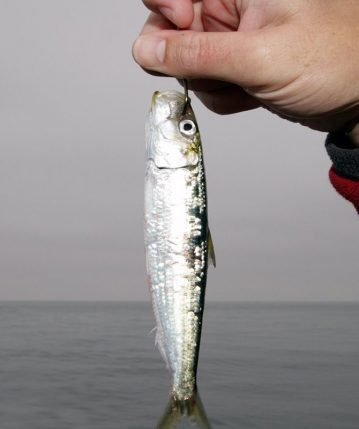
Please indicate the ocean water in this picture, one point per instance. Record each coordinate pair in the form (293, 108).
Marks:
(94, 365)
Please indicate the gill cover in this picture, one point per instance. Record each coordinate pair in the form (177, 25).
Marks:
(172, 136)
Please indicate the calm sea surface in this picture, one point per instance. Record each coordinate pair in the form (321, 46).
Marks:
(94, 365)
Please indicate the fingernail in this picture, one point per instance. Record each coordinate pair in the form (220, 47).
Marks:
(149, 51)
(167, 12)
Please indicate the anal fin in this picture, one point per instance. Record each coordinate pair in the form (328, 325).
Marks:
(211, 254)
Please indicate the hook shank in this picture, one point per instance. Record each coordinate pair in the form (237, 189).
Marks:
(186, 97)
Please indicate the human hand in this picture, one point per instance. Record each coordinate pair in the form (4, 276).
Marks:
(297, 58)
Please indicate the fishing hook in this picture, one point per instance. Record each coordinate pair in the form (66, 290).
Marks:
(186, 98)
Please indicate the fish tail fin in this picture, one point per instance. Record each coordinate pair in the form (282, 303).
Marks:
(177, 409)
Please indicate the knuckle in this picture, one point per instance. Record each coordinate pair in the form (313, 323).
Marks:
(255, 61)
(259, 51)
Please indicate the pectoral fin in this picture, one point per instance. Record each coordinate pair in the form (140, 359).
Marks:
(211, 254)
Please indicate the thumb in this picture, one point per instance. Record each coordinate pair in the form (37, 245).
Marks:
(243, 58)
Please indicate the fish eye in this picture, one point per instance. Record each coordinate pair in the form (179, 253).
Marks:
(187, 127)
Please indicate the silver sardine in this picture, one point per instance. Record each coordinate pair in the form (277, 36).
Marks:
(178, 244)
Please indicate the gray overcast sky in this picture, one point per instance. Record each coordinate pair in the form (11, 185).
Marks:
(72, 109)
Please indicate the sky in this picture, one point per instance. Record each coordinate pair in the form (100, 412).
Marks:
(72, 112)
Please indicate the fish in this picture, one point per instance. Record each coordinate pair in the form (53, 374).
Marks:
(178, 246)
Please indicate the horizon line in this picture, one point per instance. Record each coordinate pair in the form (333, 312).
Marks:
(315, 301)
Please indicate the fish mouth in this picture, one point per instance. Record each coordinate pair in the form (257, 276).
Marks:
(155, 95)
(170, 105)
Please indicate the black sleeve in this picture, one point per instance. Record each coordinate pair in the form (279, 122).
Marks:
(344, 155)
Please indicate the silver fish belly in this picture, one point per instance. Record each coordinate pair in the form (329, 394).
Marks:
(176, 235)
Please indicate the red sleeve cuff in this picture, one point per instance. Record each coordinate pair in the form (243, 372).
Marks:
(347, 188)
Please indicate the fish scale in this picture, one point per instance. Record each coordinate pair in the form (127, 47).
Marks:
(176, 240)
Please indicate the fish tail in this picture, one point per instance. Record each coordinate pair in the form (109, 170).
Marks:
(177, 409)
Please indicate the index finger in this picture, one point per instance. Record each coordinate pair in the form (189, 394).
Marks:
(156, 22)
(179, 12)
